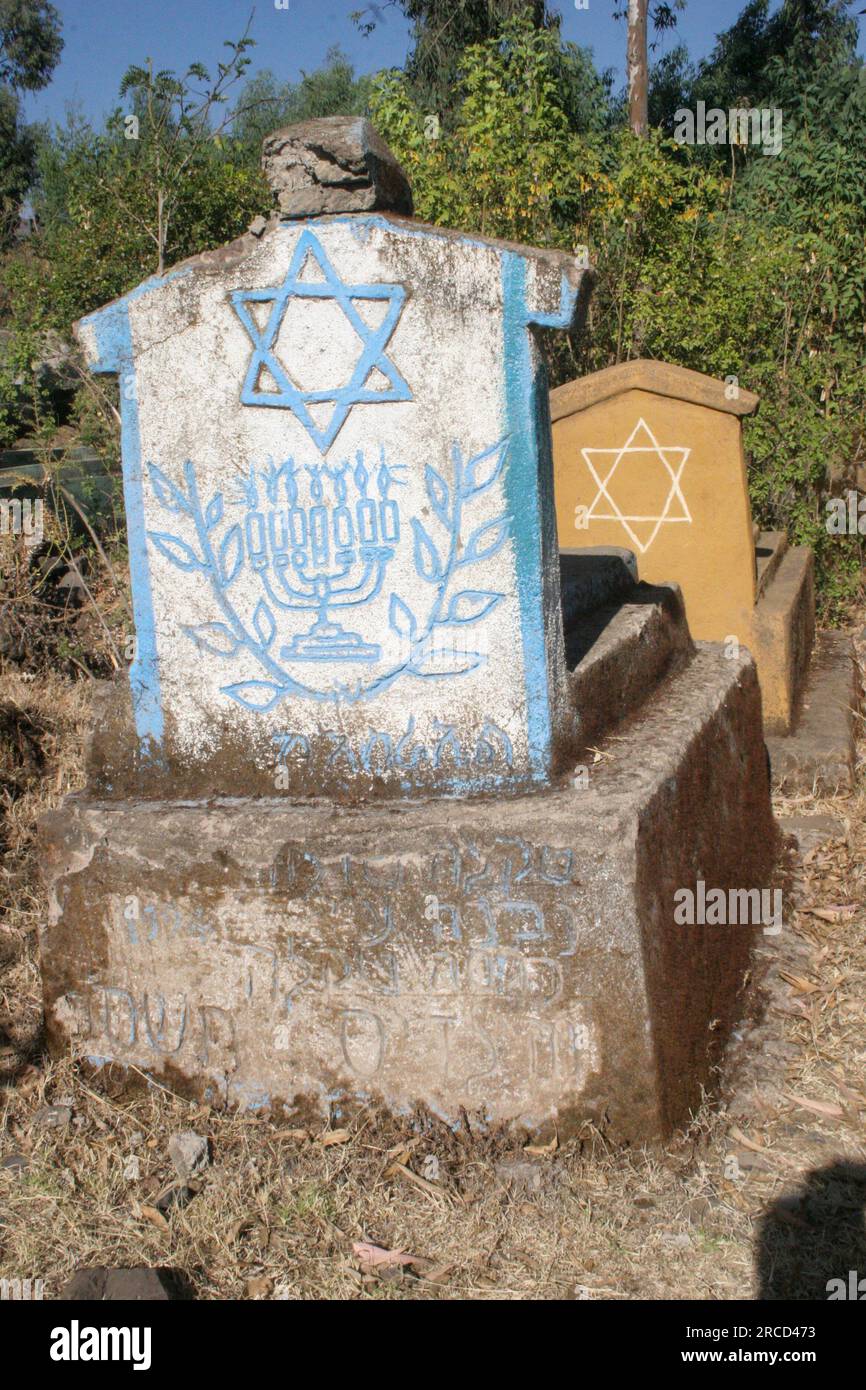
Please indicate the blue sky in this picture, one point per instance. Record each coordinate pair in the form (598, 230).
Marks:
(102, 37)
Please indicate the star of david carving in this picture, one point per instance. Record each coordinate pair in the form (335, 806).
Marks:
(373, 341)
(672, 458)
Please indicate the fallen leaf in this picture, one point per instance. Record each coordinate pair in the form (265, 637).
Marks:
(373, 1257)
(401, 1154)
(743, 1139)
(802, 985)
(155, 1218)
(405, 1146)
(818, 1107)
(299, 1135)
(261, 1287)
(838, 912)
(334, 1136)
(539, 1150)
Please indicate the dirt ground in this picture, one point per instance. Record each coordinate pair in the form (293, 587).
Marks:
(762, 1197)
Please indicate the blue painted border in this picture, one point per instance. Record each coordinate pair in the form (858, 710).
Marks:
(526, 422)
(113, 334)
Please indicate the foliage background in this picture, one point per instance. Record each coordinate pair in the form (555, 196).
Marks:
(717, 258)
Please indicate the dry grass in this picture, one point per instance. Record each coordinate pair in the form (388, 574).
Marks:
(277, 1212)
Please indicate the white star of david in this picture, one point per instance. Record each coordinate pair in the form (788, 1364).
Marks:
(671, 457)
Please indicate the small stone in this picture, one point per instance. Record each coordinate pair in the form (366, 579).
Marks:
(104, 1285)
(53, 1117)
(430, 1168)
(188, 1152)
(15, 1163)
(697, 1209)
(132, 1168)
(520, 1175)
(333, 164)
(680, 1241)
(812, 831)
(257, 226)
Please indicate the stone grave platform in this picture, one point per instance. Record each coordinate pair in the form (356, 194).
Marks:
(517, 958)
(819, 754)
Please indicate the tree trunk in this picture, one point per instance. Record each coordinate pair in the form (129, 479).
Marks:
(636, 64)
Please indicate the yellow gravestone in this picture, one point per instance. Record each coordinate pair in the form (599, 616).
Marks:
(650, 456)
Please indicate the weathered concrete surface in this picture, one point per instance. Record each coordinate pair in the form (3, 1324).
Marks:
(811, 832)
(619, 652)
(819, 755)
(100, 1284)
(518, 957)
(783, 629)
(333, 164)
(593, 576)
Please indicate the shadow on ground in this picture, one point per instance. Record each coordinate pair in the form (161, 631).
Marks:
(815, 1235)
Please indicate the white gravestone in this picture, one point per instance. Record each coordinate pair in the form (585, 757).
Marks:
(339, 501)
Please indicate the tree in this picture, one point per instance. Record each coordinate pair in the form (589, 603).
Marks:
(510, 164)
(171, 123)
(638, 13)
(266, 103)
(442, 30)
(30, 46)
(765, 60)
(636, 66)
(670, 81)
(30, 43)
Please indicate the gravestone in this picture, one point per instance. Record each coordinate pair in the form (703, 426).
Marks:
(341, 555)
(650, 455)
(341, 836)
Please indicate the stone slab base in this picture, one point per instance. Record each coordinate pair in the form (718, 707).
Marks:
(811, 832)
(617, 652)
(783, 627)
(515, 958)
(819, 755)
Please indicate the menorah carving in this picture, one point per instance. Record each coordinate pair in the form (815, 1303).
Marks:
(327, 554)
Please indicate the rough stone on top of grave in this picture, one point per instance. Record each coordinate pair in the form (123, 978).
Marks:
(333, 164)
(305, 545)
(651, 455)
